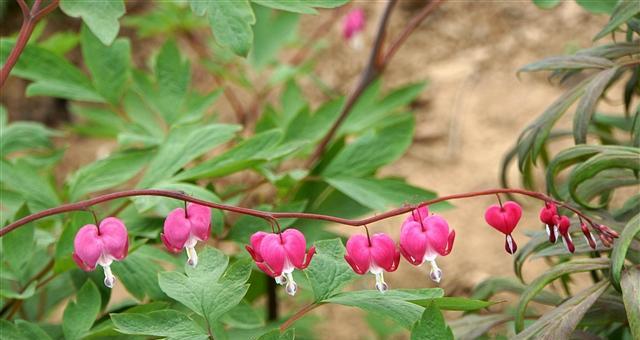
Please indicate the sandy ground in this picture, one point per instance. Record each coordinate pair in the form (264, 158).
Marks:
(471, 113)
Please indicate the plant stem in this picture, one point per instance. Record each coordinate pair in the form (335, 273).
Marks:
(298, 315)
(272, 299)
(272, 216)
(369, 74)
(29, 21)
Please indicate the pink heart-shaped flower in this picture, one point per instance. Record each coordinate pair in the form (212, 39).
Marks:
(505, 218)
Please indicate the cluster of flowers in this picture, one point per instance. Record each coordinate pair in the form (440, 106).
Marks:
(423, 237)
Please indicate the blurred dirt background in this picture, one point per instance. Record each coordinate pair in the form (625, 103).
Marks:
(470, 114)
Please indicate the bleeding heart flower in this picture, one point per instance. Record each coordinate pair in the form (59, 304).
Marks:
(423, 238)
(279, 254)
(101, 245)
(548, 215)
(564, 223)
(183, 229)
(588, 236)
(375, 254)
(504, 219)
(352, 26)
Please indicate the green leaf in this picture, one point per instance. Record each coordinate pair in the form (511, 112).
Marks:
(17, 246)
(571, 156)
(569, 62)
(560, 322)
(21, 136)
(373, 150)
(107, 173)
(631, 295)
(248, 153)
(139, 275)
(393, 303)
(587, 104)
(230, 22)
(296, 6)
(27, 181)
(380, 194)
(473, 326)
(243, 316)
(455, 303)
(100, 16)
(203, 290)
(546, 4)
(533, 138)
(270, 32)
(51, 74)
(313, 126)
(184, 144)
(624, 11)
(275, 334)
(31, 330)
(597, 164)
(26, 292)
(621, 247)
(172, 77)
(328, 272)
(79, 315)
(431, 326)
(490, 287)
(60, 43)
(598, 6)
(109, 65)
(21, 330)
(574, 266)
(369, 112)
(168, 323)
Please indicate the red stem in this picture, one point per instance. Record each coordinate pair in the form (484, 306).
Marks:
(298, 315)
(272, 216)
(369, 74)
(29, 21)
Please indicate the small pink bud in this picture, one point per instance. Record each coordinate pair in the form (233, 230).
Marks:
(353, 25)
(563, 227)
(423, 239)
(548, 213)
(505, 218)
(588, 236)
(279, 254)
(101, 245)
(184, 230)
(374, 255)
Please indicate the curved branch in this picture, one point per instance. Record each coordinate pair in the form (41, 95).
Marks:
(270, 216)
(369, 74)
(29, 21)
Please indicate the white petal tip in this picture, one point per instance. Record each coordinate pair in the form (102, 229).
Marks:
(291, 288)
(382, 287)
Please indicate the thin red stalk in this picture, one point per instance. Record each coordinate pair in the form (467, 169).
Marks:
(272, 216)
(411, 26)
(369, 74)
(298, 315)
(29, 21)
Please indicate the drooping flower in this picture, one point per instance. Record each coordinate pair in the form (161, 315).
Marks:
(278, 255)
(588, 236)
(564, 223)
(352, 26)
(423, 238)
(101, 245)
(548, 215)
(375, 255)
(504, 219)
(183, 229)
